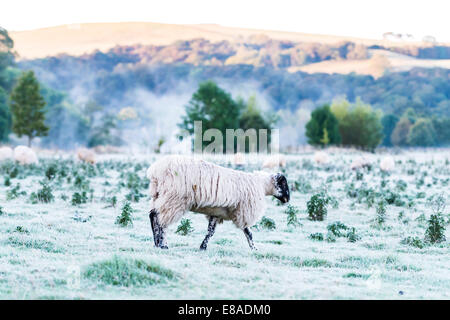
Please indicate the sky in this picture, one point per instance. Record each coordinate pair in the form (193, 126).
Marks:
(366, 19)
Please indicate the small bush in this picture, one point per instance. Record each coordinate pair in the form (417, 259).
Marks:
(79, 198)
(381, 212)
(436, 229)
(125, 217)
(14, 192)
(292, 218)
(352, 236)
(413, 242)
(317, 207)
(316, 236)
(45, 194)
(267, 224)
(336, 228)
(185, 227)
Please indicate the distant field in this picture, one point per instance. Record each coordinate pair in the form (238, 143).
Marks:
(376, 65)
(69, 250)
(85, 38)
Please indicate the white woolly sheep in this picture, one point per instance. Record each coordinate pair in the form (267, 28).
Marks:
(239, 159)
(387, 164)
(360, 163)
(276, 160)
(6, 153)
(321, 157)
(179, 184)
(25, 155)
(86, 155)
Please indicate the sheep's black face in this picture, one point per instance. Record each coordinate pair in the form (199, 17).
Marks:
(282, 188)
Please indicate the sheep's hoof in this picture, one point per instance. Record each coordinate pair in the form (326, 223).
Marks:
(202, 248)
(164, 247)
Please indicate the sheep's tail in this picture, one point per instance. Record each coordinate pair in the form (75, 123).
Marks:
(153, 183)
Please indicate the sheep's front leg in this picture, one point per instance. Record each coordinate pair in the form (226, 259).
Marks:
(211, 228)
(249, 236)
(158, 231)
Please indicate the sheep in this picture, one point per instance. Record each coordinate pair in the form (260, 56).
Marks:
(277, 160)
(387, 164)
(321, 157)
(6, 153)
(239, 159)
(179, 184)
(86, 155)
(361, 163)
(25, 155)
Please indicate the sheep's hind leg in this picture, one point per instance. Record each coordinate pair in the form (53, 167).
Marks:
(249, 236)
(211, 228)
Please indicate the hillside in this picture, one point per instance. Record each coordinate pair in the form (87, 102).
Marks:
(84, 38)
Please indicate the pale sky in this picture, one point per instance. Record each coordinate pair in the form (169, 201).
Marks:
(367, 19)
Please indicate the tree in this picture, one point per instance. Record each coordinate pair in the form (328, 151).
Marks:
(252, 118)
(214, 107)
(322, 118)
(105, 133)
(442, 128)
(422, 134)
(400, 134)
(359, 124)
(27, 107)
(389, 122)
(5, 117)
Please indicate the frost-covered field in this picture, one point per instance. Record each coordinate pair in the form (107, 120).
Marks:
(71, 247)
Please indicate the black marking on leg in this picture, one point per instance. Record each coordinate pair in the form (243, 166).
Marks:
(211, 228)
(154, 224)
(249, 236)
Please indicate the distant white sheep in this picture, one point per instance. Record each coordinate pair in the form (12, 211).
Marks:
(239, 159)
(321, 157)
(25, 155)
(86, 155)
(387, 164)
(273, 161)
(360, 163)
(6, 153)
(179, 184)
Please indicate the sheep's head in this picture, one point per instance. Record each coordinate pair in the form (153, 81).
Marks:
(281, 188)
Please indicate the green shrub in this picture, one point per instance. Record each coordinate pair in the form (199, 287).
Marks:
(79, 198)
(316, 236)
(317, 207)
(125, 218)
(336, 229)
(185, 227)
(381, 212)
(267, 224)
(435, 232)
(413, 242)
(292, 218)
(44, 194)
(352, 236)
(14, 192)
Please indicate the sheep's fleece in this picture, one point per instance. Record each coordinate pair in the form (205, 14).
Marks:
(179, 184)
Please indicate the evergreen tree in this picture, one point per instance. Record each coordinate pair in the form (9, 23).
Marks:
(322, 118)
(214, 107)
(27, 107)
